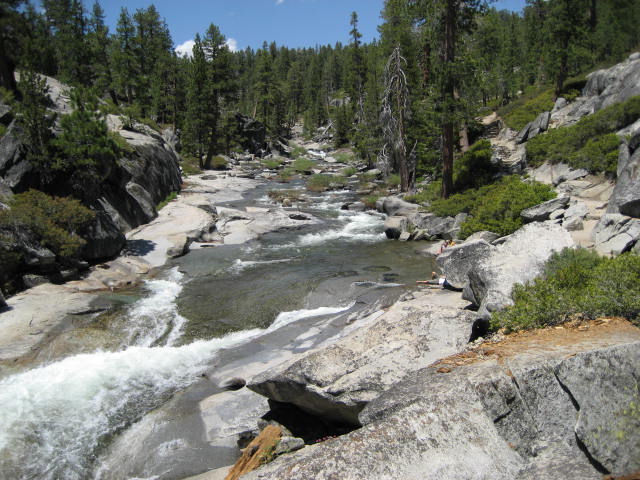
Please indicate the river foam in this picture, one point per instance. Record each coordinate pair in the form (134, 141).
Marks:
(55, 418)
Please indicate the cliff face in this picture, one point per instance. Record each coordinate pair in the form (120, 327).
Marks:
(145, 175)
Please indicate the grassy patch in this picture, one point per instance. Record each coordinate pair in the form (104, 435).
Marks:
(286, 175)
(304, 165)
(190, 165)
(271, 164)
(280, 195)
(590, 144)
(219, 163)
(526, 108)
(494, 207)
(575, 284)
(320, 182)
(172, 196)
(393, 180)
(349, 171)
(344, 157)
(298, 151)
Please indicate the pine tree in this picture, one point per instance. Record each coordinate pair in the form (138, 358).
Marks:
(99, 43)
(125, 71)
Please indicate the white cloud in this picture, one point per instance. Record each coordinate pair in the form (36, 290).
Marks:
(232, 43)
(185, 49)
(279, 2)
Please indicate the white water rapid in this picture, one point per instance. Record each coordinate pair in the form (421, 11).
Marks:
(54, 419)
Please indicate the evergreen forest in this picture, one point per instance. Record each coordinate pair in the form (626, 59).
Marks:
(406, 102)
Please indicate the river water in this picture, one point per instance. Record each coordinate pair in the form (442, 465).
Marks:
(59, 416)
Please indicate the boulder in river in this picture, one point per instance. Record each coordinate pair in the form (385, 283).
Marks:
(395, 206)
(394, 226)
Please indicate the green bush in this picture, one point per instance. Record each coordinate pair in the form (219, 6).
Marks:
(494, 207)
(526, 108)
(575, 284)
(3, 130)
(52, 222)
(474, 169)
(590, 144)
(431, 192)
(304, 165)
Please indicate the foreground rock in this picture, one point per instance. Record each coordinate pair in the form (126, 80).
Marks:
(519, 259)
(337, 382)
(551, 404)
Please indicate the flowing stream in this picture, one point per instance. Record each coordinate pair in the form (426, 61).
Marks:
(58, 417)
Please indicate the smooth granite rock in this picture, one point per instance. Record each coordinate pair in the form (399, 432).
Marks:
(456, 262)
(518, 259)
(541, 212)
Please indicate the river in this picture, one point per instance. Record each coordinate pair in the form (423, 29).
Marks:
(60, 415)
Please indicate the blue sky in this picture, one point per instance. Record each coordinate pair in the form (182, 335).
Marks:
(247, 23)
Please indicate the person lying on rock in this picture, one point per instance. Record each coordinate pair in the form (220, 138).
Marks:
(439, 280)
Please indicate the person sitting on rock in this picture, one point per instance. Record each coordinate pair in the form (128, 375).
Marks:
(445, 244)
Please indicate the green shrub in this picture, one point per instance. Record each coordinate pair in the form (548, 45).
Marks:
(575, 284)
(3, 130)
(494, 207)
(172, 196)
(304, 165)
(431, 192)
(526, 108)
(474, 168)
(591, 143)
(52, 222)
(320, 182)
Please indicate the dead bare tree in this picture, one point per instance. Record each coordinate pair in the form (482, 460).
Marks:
(395, 112)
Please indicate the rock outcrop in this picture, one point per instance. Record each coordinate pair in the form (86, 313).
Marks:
(603, 88)
(619, 230)
(147, 173)
(338, 381)
(456, 262)
(552, 404)
(518, 259)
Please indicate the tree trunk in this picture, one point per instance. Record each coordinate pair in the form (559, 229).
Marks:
(448, 140)
(7, 68)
